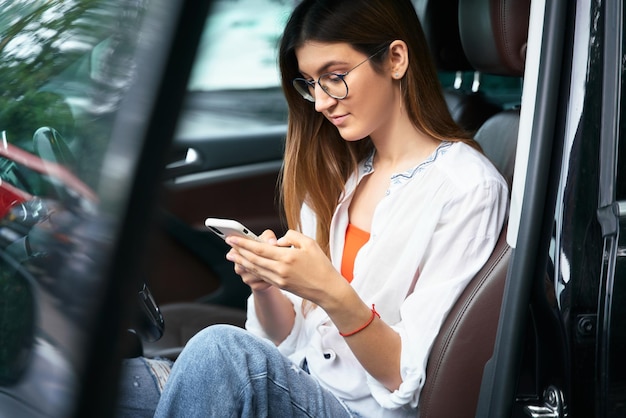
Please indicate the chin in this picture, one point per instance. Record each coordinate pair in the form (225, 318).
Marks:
(351, 136)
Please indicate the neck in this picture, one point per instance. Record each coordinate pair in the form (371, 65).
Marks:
(402, 148)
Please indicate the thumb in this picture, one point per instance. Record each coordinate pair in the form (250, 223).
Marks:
(291, 239)
(268, 236)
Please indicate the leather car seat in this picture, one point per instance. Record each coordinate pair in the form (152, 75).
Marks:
(465, 342)
(439, 19)
(498, 138)
(493, 34)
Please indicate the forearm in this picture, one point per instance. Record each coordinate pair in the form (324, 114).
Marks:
(275, 313)
(377, 346)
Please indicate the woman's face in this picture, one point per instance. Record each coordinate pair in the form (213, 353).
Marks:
(372, 102)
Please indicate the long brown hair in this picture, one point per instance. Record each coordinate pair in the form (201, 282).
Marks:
(317, 160)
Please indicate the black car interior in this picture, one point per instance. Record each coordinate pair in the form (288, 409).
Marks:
(480, 36)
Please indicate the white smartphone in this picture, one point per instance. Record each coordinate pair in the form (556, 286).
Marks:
(227, 227)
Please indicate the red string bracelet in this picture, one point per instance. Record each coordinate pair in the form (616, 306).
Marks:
(362, 327)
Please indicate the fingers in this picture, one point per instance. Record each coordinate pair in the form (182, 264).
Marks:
(268, 236)
(255, 282)
(243, 244)
(240, 270)
(271, 270)
(293, 239)
(247, 260)
(290, 239)
(281, 264)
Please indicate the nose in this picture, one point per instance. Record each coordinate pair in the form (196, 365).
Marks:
(322, 100)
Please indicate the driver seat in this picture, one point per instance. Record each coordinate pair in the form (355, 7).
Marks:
(467, 336)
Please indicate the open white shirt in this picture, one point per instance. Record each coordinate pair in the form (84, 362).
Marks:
(430, 234)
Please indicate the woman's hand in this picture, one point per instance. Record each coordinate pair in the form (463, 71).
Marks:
(274, 310)
(256, 284)
(294, 263)
(297, 264)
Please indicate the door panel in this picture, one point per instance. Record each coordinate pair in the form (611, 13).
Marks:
(196, 157)
(231, 177)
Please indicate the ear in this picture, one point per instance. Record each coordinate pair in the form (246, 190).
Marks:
(398, 59)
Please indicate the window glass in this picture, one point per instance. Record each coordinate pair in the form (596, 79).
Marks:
(234, 86)
(64, 68)
(57, 66)
(252, 28)
(238, 92)
(504, 91)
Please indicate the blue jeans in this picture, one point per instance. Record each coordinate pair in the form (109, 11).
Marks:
(141, 382)
(225, 372)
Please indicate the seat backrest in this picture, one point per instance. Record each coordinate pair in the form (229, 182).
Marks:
(465, 342)
(466, 339)
(496, 46)
(440, 24)
(498, 138)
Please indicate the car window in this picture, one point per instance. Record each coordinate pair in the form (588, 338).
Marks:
(55, 64)
(245, 56)
(504, 91)
(234, 86)
(65, 66)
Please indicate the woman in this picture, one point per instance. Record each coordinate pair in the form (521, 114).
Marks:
(392, 210)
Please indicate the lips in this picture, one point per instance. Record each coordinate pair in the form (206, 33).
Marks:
(337, 120)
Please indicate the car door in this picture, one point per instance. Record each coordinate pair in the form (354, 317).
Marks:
(91, 93)
(226, 156)
(559, 344)
(611, 215)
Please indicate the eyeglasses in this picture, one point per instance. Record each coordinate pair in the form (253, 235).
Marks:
(333, 84)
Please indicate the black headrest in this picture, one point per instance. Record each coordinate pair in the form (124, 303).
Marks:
(439, 19)
(494, 34)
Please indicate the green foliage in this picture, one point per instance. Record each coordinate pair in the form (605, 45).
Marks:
(46, 67)
(57, 69)
(38, 41)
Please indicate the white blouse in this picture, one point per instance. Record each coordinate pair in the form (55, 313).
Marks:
(430, 234)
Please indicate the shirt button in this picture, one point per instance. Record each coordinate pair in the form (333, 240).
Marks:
(330, 355)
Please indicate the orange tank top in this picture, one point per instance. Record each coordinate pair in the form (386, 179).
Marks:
(355, 239)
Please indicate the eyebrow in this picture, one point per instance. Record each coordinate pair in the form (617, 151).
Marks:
(324, 68)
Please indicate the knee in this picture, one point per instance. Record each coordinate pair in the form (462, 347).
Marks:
(218, 333)
(212, 340)
(226, 345)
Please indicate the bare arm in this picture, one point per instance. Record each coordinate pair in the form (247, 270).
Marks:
(377, 346)
(275, 313)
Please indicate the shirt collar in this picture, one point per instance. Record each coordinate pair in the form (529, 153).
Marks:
(401, 178)
(367, 167)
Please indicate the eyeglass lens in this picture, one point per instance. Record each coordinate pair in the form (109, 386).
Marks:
(333, 84)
